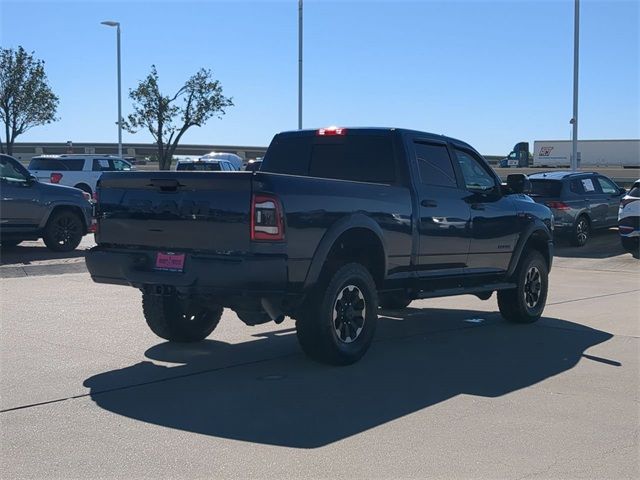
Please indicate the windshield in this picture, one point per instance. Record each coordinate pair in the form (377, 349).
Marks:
(546, 188)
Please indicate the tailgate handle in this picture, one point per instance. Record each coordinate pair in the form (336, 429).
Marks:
(165, 184)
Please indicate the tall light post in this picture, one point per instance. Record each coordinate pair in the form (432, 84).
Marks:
(574, 120)
(299, 64)
(110, 23)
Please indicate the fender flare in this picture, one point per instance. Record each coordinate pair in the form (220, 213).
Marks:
(356, 220)
(62, 204)
(537, 227)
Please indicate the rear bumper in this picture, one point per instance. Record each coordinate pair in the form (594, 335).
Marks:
(203, 273)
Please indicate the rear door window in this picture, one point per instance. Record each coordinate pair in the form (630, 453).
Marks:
(434, 165)
(102, 165)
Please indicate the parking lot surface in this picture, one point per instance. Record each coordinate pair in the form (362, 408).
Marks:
(448, 390)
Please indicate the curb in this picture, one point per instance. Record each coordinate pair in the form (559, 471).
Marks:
(39, 270)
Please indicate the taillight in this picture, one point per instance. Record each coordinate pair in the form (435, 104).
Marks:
(558, 205)
(266, 218)
(626, 201)
(55, 177)
(325, 132)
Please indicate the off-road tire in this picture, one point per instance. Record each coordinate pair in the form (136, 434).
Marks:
(336, 309)
(177, 320)
(516, 304)
(394, 301)
(581, 232)
(64, 231)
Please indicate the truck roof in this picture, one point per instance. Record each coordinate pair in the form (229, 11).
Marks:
(373, 130)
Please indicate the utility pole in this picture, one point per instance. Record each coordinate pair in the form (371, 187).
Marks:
(574, 119)
(299, 64)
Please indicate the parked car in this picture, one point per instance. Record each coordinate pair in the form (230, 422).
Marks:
(30, 209)
(236, 160)
(75, 170)
(580, 201)
(208, 165)
(629, 219)
(335, 223)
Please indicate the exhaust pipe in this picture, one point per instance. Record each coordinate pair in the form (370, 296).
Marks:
(272, 310)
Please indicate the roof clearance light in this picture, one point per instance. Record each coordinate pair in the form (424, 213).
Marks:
(325, 132)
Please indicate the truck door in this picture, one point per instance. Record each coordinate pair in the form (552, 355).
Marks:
(494, 226)
(443, 212)
(21, 209)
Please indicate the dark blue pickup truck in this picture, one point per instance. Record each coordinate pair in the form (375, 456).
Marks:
(335, 224)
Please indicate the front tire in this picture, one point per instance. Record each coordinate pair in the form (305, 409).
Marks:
(63, 232)
(581, 232)
(338, 322)
(179, 321)
(525, 303)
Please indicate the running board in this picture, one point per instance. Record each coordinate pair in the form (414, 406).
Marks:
(448, 292)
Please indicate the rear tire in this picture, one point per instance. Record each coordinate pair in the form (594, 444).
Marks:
(525, 303)
(394, 301)
(64, 231)
(581, 232)
(179, 321)
(337, 323)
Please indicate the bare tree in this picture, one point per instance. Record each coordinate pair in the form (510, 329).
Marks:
(168, 118)
(26, 100)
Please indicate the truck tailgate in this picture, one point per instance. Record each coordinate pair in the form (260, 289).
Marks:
(207, 211)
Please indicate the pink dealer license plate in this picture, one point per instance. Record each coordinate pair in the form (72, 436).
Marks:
(169, 261)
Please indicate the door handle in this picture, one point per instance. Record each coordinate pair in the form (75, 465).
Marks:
(429, 203)
(477, 206)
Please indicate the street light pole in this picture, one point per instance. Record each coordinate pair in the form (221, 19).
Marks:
(299, 64)
(574, 120)
(110, 23)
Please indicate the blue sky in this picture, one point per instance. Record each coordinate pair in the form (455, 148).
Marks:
(490, 73)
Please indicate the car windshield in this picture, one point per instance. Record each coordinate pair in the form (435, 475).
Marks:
(200, 166)
(546, 188)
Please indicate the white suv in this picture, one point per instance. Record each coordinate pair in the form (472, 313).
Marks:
(80, 171)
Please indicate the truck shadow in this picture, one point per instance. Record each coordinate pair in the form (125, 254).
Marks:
(34, 251)
(293, 402)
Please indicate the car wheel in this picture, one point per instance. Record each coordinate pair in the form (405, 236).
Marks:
(63, 232)
(631, 245)
(394, 301)
(525, 303)
(337, 323)
(581, 232)
(179, 321)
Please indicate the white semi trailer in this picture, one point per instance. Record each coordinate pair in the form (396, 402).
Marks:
(596, 153)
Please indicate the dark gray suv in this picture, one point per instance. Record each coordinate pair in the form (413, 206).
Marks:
(580, 201)
(29, 210)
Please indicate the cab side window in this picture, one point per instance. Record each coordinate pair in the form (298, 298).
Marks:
(434, 165)
(102, 165)
(11, 172)
(476, 177)
(120, 166)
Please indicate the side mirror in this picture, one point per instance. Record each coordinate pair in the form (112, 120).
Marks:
(623, 191)
(518, 183)
(32, 179)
